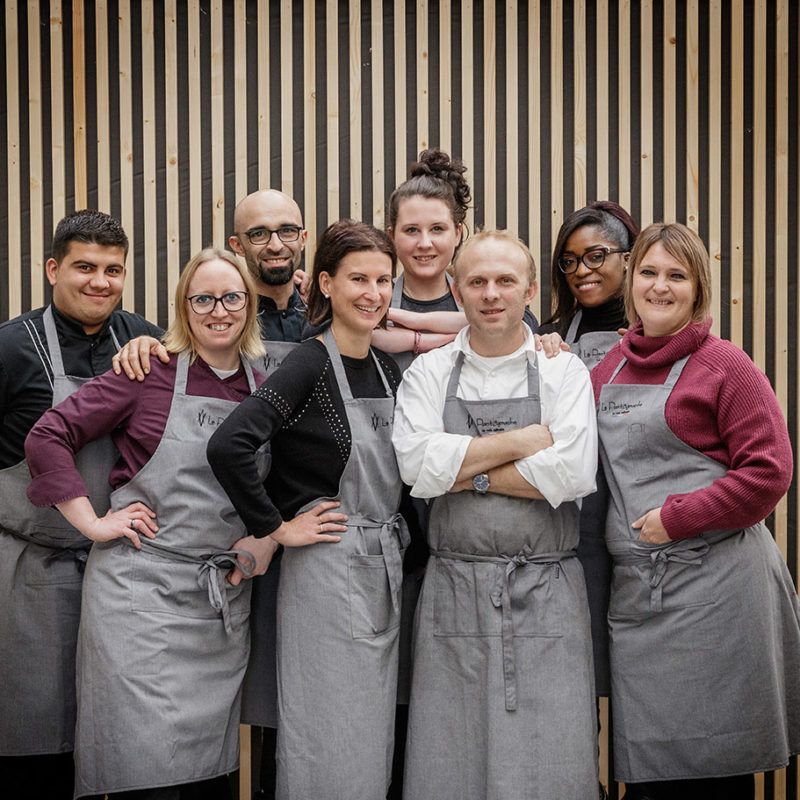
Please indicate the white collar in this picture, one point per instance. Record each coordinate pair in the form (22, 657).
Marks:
(527, 349)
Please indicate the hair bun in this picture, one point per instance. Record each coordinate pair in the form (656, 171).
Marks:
(438, 164)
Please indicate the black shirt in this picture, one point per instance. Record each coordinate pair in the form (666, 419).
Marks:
(281, 324)
(299, 410)
(610, 316)
(25, 372)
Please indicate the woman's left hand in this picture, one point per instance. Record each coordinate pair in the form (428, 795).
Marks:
(652, 530)
(551, 344)
(262, 550)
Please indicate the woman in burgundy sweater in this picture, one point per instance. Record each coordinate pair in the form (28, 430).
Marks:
(703, 616)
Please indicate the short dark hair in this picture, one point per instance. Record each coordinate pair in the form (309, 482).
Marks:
(338, 240)
(90, 227)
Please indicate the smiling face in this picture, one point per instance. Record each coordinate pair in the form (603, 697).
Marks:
(87, 282)
(217, 334)
(663, 292)
(493, 285)
(593, 287)
(426, 237)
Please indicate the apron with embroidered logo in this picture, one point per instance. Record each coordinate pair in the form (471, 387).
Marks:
(502, 696)
(705, 632)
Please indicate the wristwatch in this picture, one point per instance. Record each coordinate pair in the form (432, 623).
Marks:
(481, 483)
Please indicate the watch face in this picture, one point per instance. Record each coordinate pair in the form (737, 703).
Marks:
(481, 483)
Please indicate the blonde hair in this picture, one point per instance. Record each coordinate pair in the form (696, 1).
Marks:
(686, 247)
(503, 236)
(179, 336)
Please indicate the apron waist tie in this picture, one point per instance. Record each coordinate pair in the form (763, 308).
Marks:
(79, 553)
(212, 575)
(393, 536)
(501, 598)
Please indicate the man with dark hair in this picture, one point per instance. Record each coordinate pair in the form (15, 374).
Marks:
(45, 355)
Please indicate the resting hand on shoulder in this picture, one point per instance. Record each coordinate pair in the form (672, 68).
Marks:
(551, 344)
(134, 357)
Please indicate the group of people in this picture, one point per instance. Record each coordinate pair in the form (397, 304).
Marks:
(392, 521)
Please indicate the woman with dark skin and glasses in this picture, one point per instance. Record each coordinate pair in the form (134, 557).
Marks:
(703, 615)
(327, 413)
(163, 640)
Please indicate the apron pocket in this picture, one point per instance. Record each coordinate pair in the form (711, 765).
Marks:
(371, 611)
(639, 451)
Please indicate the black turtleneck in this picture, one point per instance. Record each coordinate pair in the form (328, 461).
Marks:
(610, 316)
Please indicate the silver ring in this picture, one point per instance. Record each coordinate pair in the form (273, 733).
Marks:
(132, 525)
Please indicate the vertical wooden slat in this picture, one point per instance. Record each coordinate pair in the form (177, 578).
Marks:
(646, 96)
(556, 119)
(400, 109)
(79, 104)
(423, 64)
(624, 116)
(103, 121)
(35, 154)
(171, 152)
(512, 118)
(534, 146)
(692, 115)
(240, 106)
(445, 77)
(149, 161)
(217, 125)
(263, 94)
(737, 173)
(759, 178)
(245, 756)
(467, 102)
(579, 104)
(355, 109)
(309, 125)
(287, 94)
(195, 149)
(714, 156)
(669, 131)
(601, 104)
(126, 146)
(489, 117)
(13, 189)
(332, 48)
(378, 146)
(58, 164)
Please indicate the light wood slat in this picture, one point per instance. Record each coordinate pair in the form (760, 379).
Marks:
(217, 125)
(151, 266)
(759, 178)
(579, 104)
(309, 127)
(669, 110)
(126, 149)
(79, 104)
(400, 109)
(603, 761)
(512, 118)
(287, 94)
(624, 89)
(489, 116)
(692, 115)
(332, 71)
(58, 168)
(601, 104)
(35, 156)
(263, 94)
(13, 192)
(556, 119)
(468, 104)
(195, 151)
(646, 98)
(737, 173)
(240, 104)
(714, 156)
(423, 65)
(378, 122)
(103, 111)
(171, 151)
(355, 109)
(534, 148)
(245, 758)
(445, 77)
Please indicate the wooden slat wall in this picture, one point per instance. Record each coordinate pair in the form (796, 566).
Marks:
(165, 114)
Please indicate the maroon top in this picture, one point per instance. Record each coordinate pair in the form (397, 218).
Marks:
(134, 413)
(723, 406)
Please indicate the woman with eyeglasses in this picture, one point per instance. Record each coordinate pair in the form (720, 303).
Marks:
(163, 640)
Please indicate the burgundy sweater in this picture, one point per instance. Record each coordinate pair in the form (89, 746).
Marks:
(723, 406)
(134, 413)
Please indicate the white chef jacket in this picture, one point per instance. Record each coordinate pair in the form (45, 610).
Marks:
(430, 459)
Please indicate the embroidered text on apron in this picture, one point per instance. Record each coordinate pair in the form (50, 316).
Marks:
(502, 700)
(163, 641)
(705, 632)
(338, 618)
(276, 353)
(591, 348)
(41, 565)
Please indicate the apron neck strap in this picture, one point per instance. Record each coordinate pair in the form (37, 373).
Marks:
(672, 378)
(397, 293)
(572, 332)
(329, 341)
(53, 345)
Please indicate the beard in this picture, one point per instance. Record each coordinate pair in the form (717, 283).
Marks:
(276, 276)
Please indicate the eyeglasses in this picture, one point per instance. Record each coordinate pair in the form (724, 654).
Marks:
(593, 259)
(206, 303)
(286, 233)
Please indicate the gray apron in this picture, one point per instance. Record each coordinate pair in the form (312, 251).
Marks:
(41, 566)
(276, 353)
(705, 632)
(338, 622)
(163, 640)
(502, 697)
(591, 348)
